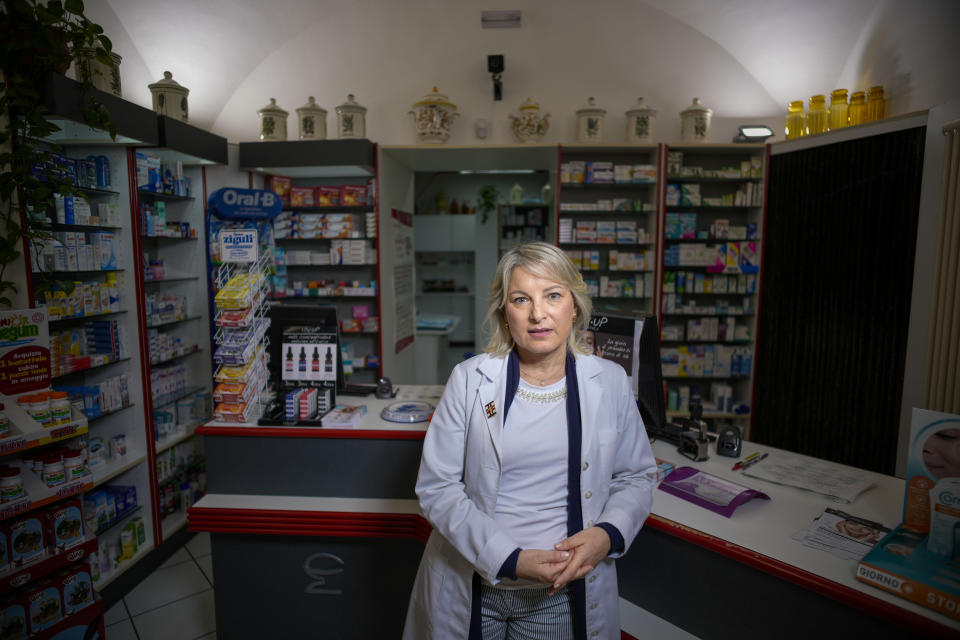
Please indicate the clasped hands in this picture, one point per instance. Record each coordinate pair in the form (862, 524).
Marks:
(571, 559)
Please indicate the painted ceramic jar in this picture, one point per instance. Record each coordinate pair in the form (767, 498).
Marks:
(695, 122)
(273, 122)
(529, 125)
(590, 122)
(102, 76)
(170, 97)
(640, 120)
(351, 119)
(433, 117)
(313, 121)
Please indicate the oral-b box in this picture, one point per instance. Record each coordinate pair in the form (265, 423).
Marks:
(915, 560)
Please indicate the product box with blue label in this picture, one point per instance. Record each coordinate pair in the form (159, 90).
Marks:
(920, 559)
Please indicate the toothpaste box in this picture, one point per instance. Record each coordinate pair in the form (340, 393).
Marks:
(915, 560)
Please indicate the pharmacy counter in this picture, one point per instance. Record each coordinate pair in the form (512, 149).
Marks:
(314, 525)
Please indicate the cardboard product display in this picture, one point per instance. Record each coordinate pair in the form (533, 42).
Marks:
(918, 560)
(305, 364)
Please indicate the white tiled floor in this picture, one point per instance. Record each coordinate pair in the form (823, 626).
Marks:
(175, 602)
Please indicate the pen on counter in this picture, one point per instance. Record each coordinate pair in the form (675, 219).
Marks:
(745, 461)
(755, 461)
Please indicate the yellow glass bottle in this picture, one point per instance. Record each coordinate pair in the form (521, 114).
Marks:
(817, 115)
(795, 127)
(838, 110)
(858, 108)
(875, 104)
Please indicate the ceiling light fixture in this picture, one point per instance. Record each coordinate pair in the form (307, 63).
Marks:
(753, 133)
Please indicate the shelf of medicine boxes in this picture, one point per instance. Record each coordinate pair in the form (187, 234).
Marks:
(639, 195)
(719, 169)
(315, 163)
(15, 577)
(65, 102)
(194, 149)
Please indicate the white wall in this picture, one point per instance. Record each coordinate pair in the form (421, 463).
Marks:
(744, 58)
(389, 54)
(911, 48)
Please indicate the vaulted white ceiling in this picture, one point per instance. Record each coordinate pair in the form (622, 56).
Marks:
(745, 58)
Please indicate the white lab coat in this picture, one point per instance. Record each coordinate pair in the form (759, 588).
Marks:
(459, 480)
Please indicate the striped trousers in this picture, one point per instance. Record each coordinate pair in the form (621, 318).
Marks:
(526, 614)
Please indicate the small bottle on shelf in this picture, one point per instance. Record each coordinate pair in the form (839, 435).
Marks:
(817, 115)
(875, 104)
(838, 110)
(795, 128)
(858, 108)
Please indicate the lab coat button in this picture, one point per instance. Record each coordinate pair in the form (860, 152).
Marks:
(588, 494)
(592, 578)
(594, 634)
(593, 606)
(586, 465)
(590, 523)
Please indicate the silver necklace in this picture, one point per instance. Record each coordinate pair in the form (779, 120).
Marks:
(542, 398)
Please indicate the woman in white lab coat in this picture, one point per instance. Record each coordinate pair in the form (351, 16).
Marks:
(536, 472)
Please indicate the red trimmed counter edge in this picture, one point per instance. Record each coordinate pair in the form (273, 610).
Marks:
(414, 526)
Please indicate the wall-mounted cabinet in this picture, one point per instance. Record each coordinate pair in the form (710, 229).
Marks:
(326, 238)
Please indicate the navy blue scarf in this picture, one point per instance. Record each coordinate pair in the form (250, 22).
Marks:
(574, 511)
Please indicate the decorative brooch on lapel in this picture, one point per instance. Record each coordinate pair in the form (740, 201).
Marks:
(491, 409)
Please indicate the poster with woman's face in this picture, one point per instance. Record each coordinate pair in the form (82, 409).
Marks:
(941, 453)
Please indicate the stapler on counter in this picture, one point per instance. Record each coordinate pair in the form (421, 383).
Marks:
(693, 440)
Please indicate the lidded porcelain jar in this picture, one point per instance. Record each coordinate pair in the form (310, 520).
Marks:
(590, 122)
(101, 76)
(273, 122)
(313, 121)
(529, 125)
(351, 119)
(170, 97)
(640, 119)
(695, 122)
(433, 117)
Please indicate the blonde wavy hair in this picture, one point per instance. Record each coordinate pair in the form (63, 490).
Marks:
(545, 261)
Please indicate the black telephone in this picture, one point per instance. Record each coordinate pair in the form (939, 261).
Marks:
(729, 442)
(693, 440)
(384, 388)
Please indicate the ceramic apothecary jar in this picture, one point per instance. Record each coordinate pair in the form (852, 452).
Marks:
(695, 122)
(590, 122)
(640, 120)
(273, 122)
(433, 117)
(170, 97)
(313, 121)
(351, 119)
(529, 125)
(101, 76)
